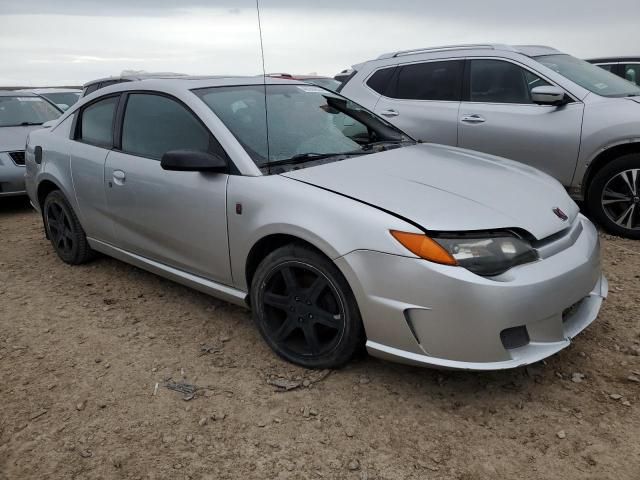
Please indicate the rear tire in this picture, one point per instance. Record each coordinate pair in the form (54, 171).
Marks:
(613, 198)
(64, 230)
(304, 308)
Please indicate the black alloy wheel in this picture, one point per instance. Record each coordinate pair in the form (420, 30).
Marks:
(64, 230)
(305, 309)
(59, 229)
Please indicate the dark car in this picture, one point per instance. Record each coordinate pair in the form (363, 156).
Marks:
(625, 67)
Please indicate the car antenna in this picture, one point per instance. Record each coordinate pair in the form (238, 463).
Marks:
(264, 84)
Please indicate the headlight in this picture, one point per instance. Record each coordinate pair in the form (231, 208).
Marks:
(485, 254)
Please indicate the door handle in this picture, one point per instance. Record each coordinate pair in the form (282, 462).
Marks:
(389, 113)
(119, 177)
(474, 118)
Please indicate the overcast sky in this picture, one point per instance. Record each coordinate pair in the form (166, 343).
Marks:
(54, 42)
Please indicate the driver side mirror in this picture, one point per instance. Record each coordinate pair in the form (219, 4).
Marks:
(548, 95)
(193, 161)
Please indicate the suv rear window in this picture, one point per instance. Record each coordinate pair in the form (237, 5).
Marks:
(379, 81)
(429, 81)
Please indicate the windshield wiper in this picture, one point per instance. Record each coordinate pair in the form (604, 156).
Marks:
(307, 157)
(382, 143)
(29, 124)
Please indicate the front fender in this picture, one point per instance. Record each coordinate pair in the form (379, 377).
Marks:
(607, 124)
(334, 224)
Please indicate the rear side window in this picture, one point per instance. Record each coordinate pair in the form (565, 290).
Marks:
(380, 80)
(429, 81)
(96, 123)
(154, 125)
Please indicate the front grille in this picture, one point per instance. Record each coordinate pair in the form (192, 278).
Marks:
(17, 157)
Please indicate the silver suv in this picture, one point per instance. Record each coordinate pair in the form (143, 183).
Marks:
(534, 104)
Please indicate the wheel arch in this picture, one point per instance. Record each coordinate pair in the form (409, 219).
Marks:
(607, 155)
(269, 243)
(45, 187)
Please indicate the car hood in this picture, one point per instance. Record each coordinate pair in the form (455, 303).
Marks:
(449, 189)
(15, 138)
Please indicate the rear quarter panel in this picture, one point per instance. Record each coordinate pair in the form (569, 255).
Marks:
(55, 166)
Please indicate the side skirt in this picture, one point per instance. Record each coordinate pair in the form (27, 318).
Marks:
(218, 290)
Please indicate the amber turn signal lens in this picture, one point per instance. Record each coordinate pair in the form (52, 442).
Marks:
(424, 247)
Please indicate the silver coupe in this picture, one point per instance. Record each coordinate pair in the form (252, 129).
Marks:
(336, 228)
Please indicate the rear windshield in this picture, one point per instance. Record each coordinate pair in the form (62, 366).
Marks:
(22, 111)
(591, 77)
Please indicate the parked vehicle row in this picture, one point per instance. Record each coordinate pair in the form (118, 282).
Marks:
(328, 215)
(336, 227)
(532, 104)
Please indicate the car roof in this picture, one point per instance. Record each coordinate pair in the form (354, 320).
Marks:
(187, 84)
(195, 82)
(136, 76)
(528, 50)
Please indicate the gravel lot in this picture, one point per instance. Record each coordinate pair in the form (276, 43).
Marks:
(82, 349)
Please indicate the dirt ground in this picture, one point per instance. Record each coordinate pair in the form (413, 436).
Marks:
(82, 349)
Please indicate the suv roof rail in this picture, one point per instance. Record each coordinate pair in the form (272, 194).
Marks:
(444, 48)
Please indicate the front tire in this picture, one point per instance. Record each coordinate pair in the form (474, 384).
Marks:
(64, 230)
(304, 308)
(614, 196)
